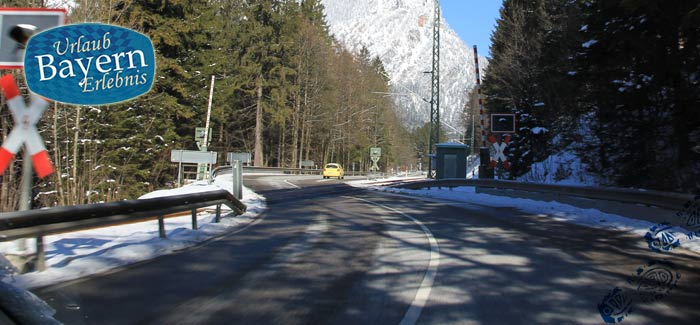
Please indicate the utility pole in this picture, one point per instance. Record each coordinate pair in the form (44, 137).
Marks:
(435, 93)
(481, 103)
(203, 169)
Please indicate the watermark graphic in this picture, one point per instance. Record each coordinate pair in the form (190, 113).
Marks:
(690, 217)
(615, 306)
(650, 283)
(660, 238)
(655, 281)
(89, 64)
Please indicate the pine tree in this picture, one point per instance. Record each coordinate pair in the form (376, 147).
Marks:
(640, 64)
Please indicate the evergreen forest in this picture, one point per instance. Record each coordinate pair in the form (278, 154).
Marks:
(615, 81)
(284, 91)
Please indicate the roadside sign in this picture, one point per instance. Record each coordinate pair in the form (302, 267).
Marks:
(199, 134)
(498, 149)
(199, 137)
(503, 123)
(17, 25)
(374, 154)
(308, 163)
(243, 157)
(193, 157)
(24, 131)
(90, 64)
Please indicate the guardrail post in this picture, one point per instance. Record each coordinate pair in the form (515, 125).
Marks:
(194, 219)
(161, 227)
(40, 254)
(218, 213)
(237, 178)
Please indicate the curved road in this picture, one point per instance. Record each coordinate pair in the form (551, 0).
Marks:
(325, 252)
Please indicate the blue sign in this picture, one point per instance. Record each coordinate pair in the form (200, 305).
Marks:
(89, 64)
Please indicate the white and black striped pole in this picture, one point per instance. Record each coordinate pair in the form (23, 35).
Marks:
(481, 104)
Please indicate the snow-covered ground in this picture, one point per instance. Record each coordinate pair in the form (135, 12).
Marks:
(78, 254)
(563, 168)
(555, 210)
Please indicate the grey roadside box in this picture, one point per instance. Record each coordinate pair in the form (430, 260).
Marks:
(485, 170)
(451, 160)
(237, 178)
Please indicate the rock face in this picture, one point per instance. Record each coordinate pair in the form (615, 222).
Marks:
(400, 33)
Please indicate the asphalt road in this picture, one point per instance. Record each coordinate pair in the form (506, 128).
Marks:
(328, 253)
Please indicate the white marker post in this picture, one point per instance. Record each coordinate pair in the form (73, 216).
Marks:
(202, 169)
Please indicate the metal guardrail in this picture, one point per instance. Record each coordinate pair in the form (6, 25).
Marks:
(293, 171)
(668, 200)
(281, 170)
(42, 222)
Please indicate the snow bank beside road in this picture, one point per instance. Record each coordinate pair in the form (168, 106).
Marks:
(555, 210)
(74, 255)
(563, 168)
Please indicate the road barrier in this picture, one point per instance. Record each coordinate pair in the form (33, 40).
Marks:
(280, 170)
(42, 222)
(668, 200)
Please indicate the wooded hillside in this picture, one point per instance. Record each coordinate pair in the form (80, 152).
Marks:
(284, 91)
(614, 80)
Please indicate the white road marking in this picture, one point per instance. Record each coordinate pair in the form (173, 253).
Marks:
(413, 313)
(290, 183)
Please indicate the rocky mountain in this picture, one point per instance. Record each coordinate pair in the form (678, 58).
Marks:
(400, 33)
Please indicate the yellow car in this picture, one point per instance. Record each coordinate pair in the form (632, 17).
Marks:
(333, 170)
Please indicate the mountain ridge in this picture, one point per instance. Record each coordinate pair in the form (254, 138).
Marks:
(399, 32)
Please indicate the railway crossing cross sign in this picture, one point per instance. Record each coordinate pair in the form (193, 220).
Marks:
(24, 132)
(498, 151)
(374, 154)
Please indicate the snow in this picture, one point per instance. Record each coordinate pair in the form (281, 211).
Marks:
(400, 34)
(539, 129)
(589, 43)
(473, 162)
(557, 211)
(564, 168)
(74, 255)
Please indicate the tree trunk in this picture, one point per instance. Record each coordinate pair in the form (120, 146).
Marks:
(258, 154)
(295, 131)
(75, 199)
(57, 158)
(4, 187)
(280, 147)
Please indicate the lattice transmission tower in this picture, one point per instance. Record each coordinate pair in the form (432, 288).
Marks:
(435, 92)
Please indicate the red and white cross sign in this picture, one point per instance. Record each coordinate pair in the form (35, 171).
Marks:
(500, 149)
(25, 131)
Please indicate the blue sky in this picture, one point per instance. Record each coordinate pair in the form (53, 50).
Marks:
(473, 20)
